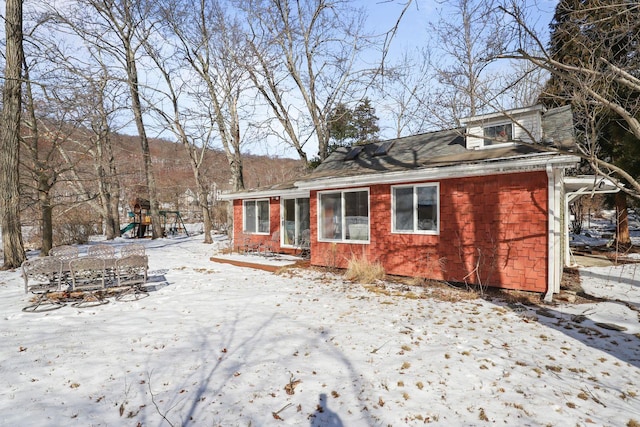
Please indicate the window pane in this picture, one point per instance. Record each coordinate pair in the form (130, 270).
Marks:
(263, 216)
(250, 216)
(303, 217)
(498, 134)
(331, 216)
(403, 200)
(289, 215)
(427, 205)
(356, 206)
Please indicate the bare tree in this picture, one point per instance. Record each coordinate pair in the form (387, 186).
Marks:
(467, 37)
(67, 112)
(41, 160)
(118, 29)
(304, 61)
(202, 42)
(592, 79)
(13, 247)
(405, 92)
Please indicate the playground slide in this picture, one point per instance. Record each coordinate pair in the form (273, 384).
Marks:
(128, 227)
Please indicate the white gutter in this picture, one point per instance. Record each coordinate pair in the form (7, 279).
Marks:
(293, 193)
(529, 162)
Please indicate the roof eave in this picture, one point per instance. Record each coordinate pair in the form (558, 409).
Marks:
(293, 192)
(488, 167)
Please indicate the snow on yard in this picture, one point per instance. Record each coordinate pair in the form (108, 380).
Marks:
(215, 344)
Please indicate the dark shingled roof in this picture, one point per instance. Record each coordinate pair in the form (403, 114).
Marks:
(434, 149)
(430, 150)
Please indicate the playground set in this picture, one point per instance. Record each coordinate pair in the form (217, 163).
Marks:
(140, 225)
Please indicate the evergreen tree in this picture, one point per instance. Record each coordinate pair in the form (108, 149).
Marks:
(341, 129)
(365, 122)
(353, 126)
(585, 33)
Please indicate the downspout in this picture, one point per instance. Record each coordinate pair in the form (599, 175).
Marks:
(553, 249)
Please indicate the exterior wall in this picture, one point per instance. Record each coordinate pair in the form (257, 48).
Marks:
(274, 226)
(493, 231)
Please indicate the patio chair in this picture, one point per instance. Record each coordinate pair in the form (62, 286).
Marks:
(131, 273)
(65, 253)
(108, 254)
(41, 277)
(132, 249)
(247, 246)
(304, 244)
(101, 251)
(270, 246)
(88, 276)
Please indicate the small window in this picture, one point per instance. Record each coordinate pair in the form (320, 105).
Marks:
(416, 209)
(498, 134)
(383, 149)
(344, 216)
(353, 153)
(256, 216)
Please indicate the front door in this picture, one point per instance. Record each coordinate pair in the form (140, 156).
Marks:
(295, 220)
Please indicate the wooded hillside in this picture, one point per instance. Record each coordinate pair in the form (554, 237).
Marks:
(75, 183)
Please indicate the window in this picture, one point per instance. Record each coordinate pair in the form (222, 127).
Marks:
(498, 134)
(295, 220)
(383, 149)
(344, 216)
(256, 216)
(415, 209)
(353, 153)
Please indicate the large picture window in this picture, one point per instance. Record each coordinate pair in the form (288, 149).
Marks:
(256, 216)
(416, 209)
(344, 216)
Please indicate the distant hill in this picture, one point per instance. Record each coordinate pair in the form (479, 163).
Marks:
(173, 170)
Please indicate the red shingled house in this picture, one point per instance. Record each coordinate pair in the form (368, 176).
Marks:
(478, 204)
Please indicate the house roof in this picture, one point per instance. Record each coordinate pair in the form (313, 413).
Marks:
(440, 149)
(428, 155)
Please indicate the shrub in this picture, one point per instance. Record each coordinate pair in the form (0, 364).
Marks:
(361, 270)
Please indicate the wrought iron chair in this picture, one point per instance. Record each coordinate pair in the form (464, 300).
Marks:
(304, 243)
(270, 247)
(88, 276)
(101, 251)
(64, 253)
(131, 273)
(132, 249)
(41, 277)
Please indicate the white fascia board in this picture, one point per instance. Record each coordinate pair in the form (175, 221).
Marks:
(519, 164)
(501, 114)
(292, 193)
(591, 182)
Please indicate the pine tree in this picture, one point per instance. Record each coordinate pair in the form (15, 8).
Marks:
(353, 126)
(586, 33)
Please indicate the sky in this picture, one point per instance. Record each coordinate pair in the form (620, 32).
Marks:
(382, 16)
(218, 345)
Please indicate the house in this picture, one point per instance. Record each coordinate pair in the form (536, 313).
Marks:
(479, 204)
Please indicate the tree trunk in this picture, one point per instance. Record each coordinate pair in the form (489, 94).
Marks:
(203, 203)
(206, 218)
(622, 237)
(10, 138)
(44, 199)
(132, 75)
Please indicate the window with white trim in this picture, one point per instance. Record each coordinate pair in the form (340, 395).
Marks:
(256, 216)
(416, 209)
(498, 134)
(343, 216)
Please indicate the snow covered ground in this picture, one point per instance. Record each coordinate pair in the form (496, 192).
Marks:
(214, 344)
